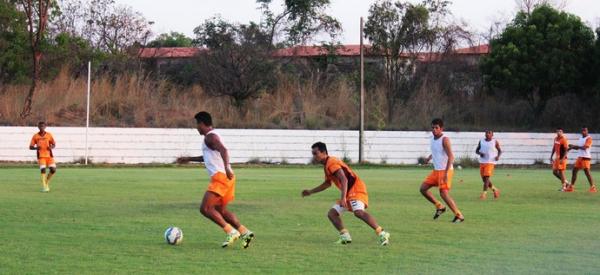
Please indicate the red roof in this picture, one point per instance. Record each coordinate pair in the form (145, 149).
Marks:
(303, 51)
(180, 52)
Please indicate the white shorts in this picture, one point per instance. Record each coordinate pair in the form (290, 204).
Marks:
(354, 204)
(53, 165)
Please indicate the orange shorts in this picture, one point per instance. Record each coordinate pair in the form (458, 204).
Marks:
(222, 186)
(436, 178)
(486, 169)
(46, 162)
(583, 163)
(358, 192)
(558, 164)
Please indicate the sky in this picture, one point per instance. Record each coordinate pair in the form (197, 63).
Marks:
(184, 15)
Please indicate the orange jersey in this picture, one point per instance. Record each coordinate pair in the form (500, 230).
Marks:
(560, 145)
(356, 187)
(43, 144)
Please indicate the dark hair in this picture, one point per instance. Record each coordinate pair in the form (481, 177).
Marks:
(489, 131)
(204, 117)
(438, 122)
(41, 122)
(321, 146)
(559, 128)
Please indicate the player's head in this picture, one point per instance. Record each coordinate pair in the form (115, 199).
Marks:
(42, 126)
(489, 134)
(319, 151)
(437, 126)
(584, 131)
(204, 122)
(559, 131)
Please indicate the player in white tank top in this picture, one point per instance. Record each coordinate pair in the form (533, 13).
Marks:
(221, 189)
(489, 153)
(583, 162)
(441, 176)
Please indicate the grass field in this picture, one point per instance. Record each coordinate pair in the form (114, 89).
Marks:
(111, 220)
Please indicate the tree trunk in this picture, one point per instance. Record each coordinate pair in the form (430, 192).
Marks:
(37, 57)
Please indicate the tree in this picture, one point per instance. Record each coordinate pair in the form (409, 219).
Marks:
(528, 6)
(237, 64)
(36, 13)
(13, 43)
(540, 55)
(170, 40)
(399, 32)
(299, 21)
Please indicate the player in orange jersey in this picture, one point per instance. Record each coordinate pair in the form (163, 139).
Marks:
(559, 163)
(353, 198)
(43, 143)
(584, 157)
(489, 153)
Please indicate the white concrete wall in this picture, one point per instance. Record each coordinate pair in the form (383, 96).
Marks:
(142, 145)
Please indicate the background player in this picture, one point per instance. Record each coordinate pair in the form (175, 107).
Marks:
(489, 153)
(43, 143)
(559, 164)
(584, 158)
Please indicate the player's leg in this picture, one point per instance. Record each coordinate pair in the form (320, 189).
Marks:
(208, 208)
(246, 235)
(588, 174)
(359, 211)
(486, 184)
(574, 175)
(52, 167)
(458, 216)
(439, 207)
(43, 176)
(334, 216)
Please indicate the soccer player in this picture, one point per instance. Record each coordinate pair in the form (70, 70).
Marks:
(443, 170)
(489, 153)
(559, 164)
(43, 143)
(584, 157)
(221, 189)
(353, 197)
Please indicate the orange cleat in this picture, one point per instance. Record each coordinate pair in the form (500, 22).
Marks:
(483, 196)
(496, 193)
(570, 188)
(593, 189)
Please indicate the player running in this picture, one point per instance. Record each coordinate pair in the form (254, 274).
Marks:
(489, 153)
(584, 157)
(43, 143)
(221, 189)
(559, 164)
(354, 195)
(443, 170)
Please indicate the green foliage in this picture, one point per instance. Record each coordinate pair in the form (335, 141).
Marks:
(14, 46)
(170, 40)
(540, 55)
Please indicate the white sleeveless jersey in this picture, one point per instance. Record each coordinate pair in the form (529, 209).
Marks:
(440, 158)
(584, 153)
(488, 148)
(212, 158)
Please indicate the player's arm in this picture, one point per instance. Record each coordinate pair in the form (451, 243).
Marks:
(52, 144)
(214, 143)
(448, 150)
(428, 159)
(339, 174)
(32, 144)
(552, 154)
(477, 150)
(563, 152)
(499, 150)
(307, 192)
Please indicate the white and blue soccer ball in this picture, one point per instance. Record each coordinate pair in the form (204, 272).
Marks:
(173, 235)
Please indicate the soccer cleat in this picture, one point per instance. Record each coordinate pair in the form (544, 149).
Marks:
(483, 196)
(384, 238)
(46, 190)
(570, 188)
(439, 212)
(496, 193)
(247, 238)
(231, 238)
(344, 239)
(458, 219)
(593, 189)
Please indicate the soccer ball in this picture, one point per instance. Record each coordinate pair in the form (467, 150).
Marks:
(173, 235)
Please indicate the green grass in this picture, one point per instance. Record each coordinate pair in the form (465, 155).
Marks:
(112, 220)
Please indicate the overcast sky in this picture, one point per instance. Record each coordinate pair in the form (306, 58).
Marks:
(184, 15)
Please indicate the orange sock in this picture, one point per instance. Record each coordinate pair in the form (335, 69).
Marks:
(438, 205)
(243, 230)
(343, 231)
(228, 228)
(458, 213)
(378, 230)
